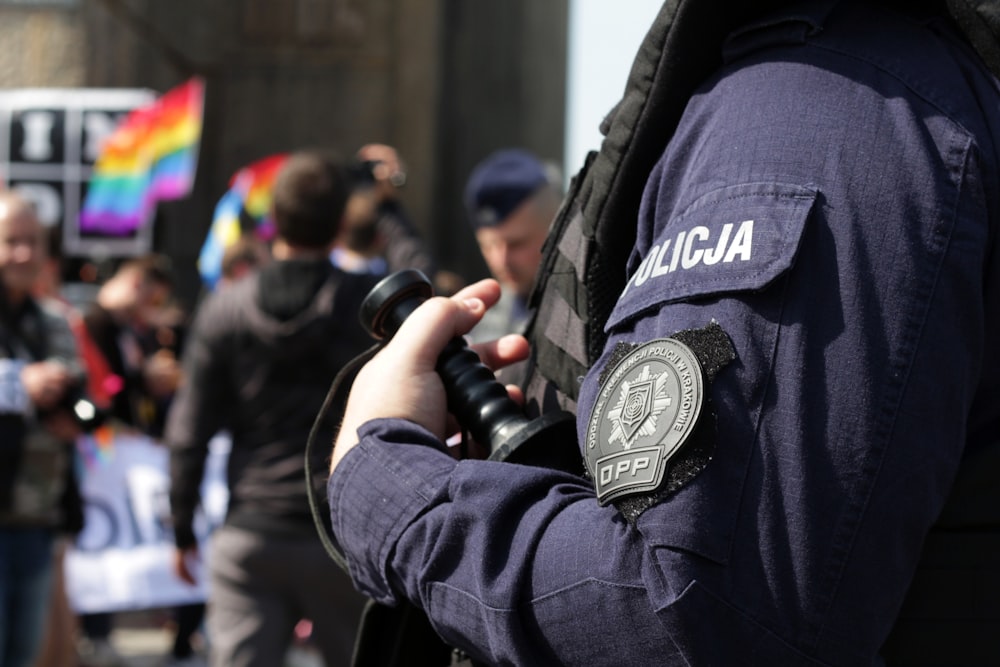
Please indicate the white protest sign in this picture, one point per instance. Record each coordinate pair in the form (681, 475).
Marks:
(122, 559)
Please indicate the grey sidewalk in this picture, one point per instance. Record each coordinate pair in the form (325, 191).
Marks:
(143, 647)
(143, 640)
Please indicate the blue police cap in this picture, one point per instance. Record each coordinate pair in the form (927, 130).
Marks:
(501, 183)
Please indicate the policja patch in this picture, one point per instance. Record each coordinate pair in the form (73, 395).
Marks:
(651, 403)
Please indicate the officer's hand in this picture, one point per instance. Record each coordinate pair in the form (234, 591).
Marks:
(407, 365)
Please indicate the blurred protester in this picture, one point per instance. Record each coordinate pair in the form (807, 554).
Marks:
(404, 247)
(129, 310)
(102, 384)
(39, 495)
(511, 198)
(259, 360)
(239, 261)
(137, 329)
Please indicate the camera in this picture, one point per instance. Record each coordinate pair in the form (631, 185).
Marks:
(396, 177)
(85, 412)
(87, 415)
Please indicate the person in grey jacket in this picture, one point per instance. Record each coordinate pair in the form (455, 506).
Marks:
(259, 360)
(39, 495)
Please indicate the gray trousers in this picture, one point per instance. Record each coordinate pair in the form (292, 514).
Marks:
(261, 586)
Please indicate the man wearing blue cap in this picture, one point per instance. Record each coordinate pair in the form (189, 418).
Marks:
(511, 198)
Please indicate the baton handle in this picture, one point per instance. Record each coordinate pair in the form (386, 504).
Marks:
(480, 403)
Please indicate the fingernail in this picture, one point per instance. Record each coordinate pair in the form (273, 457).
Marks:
(474, 304)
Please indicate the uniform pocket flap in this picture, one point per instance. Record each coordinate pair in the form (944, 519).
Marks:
(736, 238)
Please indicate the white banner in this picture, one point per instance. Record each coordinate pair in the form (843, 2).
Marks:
(122, 559)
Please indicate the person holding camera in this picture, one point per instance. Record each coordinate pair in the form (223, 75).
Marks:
(403, 247)
(39, 375)
(123, 321)
(131, 308)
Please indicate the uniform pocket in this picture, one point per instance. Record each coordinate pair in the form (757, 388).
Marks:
(737, 238)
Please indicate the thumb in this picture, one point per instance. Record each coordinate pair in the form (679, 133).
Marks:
(424, 334)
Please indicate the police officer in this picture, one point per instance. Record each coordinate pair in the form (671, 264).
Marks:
(511, 197)
(798, 365)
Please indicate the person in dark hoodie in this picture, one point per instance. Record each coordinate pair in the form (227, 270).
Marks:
(259, 360)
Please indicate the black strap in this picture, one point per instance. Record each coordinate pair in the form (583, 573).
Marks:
(336, 399)
(951, 615)
(400, 636)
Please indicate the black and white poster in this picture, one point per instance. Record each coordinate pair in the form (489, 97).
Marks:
(49, 141)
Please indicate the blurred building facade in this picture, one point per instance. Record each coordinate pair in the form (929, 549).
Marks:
(445, 81)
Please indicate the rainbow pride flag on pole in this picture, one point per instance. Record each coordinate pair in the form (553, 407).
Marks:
(250, 192)
(151, 156)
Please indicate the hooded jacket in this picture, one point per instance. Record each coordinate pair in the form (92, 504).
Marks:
(259, 361)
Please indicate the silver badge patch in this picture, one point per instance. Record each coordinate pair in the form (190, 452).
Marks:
(647, 407)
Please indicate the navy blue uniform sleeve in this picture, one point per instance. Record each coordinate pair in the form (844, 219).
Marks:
(495, 553)
(829, 199)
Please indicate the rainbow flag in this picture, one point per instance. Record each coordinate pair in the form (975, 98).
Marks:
(250, 192)
(151, 156)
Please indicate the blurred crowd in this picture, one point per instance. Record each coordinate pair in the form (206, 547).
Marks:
(129, 352)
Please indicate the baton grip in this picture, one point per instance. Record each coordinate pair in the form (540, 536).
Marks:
(480, 403)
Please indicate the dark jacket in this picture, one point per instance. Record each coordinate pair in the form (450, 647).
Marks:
(38, 485)
(259, 360)
(109, 336)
